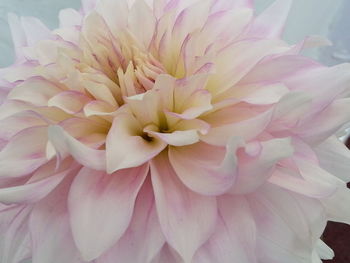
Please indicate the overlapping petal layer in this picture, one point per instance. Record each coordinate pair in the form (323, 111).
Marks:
(169, 131)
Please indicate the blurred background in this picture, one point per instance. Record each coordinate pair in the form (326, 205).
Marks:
(328, 18)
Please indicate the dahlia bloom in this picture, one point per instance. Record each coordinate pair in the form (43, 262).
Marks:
(169, 131)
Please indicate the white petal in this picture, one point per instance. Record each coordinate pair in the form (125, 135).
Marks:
(168, 255)
(337, 205)
(268, 94)
(99, 108)
(271, 22)
(15, 239)
(101, 207)
(232, 58)
(253, 171)
(275, 69)
(35, 91)
(31, 192)
(125, 146)
(334, 157)
(51, 235)
(69, 101)
(247, 129)
(144, 226)
(198, 103)
(323, 84)
(187, 219)
(285, 228)
(18, 37)
(206, 169)
(88, 5)
(313, 188)
(176, 138)
(65, 144)
(24, 153)
(326, 122)
(140, 11)
(290, 110)
(107, 9)
(324, 251)
(17, 122)
(35, 30)
(234, 237)
(70, 17)
(228, 4)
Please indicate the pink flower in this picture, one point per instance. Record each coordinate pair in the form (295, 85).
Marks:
(169, 131)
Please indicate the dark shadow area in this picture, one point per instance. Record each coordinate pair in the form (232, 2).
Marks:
(337, 236)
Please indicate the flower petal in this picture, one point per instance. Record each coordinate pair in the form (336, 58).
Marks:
(334, 157)
(15, 243)
(69, 101)
(268, 94)
(105, 213)
(234, 236)
(290, 110)
(287, 180)
(31, 192)
(167, 254)
(35, 91)
(17, 122)
(88, 5)
(206, 169)
(18, 37)
(107, 9)
(247, 129)
(185, 24)
(253, 171)
(288, 225)
(198, 103)
(176, 138)
(70, 17)
(276, 68)
(140, 11)
(50, 230)
(187, 219)
(323, 84)
(24, 153)
(226, 25)
(125, 146)
(324, 251)
(232, 58)
(320, 127)
(271, 22)
(337, 205)
(65, 144)
(35, 30)
(98, 108)
(146, 106)
(80, 128)
(100, 91)
(143, 226)
(228, 4)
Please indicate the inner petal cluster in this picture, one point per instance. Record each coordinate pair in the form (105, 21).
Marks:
(120, 90)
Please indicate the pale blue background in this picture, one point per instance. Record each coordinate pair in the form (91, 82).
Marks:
(308, 17)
